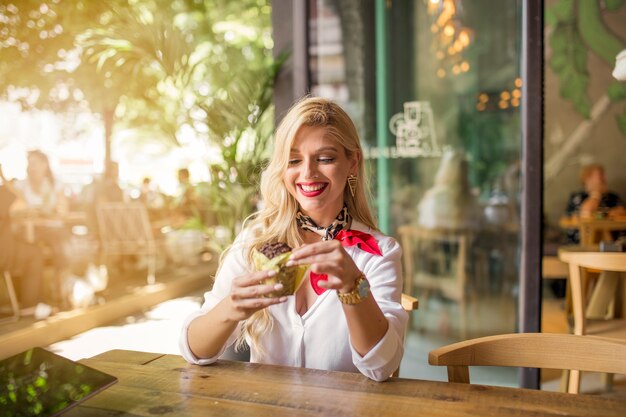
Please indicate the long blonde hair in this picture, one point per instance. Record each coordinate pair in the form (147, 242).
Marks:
(277, 220)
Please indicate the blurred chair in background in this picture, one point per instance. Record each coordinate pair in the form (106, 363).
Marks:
(125, 230)
(435, 260)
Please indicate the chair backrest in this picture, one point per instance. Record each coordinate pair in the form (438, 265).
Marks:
(124, 228)
(532, 350)
(409, 303)
(425, 247)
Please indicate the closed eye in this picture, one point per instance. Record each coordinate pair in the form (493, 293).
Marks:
(325, 160)
(294, 161)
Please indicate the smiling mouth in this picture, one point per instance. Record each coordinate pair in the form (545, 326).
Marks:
(312, 190)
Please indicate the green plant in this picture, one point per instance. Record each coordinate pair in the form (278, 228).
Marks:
(241, 122)
(576, 27)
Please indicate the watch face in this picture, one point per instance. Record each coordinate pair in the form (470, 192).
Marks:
(364, 288)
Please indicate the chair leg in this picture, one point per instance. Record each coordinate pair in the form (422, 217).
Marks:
(152, 269)
(574, 382)
(463, 319)
(564, 385)
(12, 297)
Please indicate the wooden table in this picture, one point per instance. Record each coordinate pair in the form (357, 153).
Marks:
(155, 384)
(32, 218)
(592, 231)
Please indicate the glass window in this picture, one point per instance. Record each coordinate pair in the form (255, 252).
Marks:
(448, 158)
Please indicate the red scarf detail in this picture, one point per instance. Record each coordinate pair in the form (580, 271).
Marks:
(363, 241)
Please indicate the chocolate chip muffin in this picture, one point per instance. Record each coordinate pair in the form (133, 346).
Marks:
(274, 256)
(271, 250)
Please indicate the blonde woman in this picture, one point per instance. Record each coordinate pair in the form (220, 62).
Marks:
(347, 315)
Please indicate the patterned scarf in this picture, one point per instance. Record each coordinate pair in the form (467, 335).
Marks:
(338, 229)
(341, 222)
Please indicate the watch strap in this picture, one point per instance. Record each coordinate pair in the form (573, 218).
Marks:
(359, 293)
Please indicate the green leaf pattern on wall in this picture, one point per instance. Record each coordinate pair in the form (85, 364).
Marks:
(577, 27)
(569, 62)
(621, 122)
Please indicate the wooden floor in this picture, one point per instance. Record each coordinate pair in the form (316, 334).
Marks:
(118, 301)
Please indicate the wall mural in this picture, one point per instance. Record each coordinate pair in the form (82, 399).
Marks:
(575, 28)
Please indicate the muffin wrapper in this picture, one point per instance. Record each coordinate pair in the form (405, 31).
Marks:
(291, 277)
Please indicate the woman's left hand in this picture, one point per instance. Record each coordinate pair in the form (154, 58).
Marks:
(330, 258)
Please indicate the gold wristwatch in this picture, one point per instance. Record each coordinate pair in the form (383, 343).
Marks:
(360, 292)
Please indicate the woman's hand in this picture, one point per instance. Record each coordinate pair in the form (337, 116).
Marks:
(247, 295)
(330, 258)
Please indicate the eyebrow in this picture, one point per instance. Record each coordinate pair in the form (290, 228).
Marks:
(320, 150)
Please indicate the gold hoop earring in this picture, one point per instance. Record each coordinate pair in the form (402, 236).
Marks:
(352, 179)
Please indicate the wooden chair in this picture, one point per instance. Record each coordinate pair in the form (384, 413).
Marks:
(532, 350)
(579, 262)
(409, 304)
(15, 307)
(436, 260)
(125, 230)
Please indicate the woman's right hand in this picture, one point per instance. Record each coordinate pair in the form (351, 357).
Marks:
(247, 295)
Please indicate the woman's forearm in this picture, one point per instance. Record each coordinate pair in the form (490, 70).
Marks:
(208, 333)
(366, 323)
(590, 205)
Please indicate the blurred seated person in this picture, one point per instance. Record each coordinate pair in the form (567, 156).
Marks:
(185, 203)
(108, 189)
(24, 261)
(150, 196)
(185, 200)
(40, 190)
(104, 190)
(41, 193)
(594, 200)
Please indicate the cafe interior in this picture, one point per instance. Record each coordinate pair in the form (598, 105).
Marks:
(494, 138)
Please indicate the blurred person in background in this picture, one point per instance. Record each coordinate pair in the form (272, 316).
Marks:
(42, 194)
(102, 190)
(24, 261)
(39, 190)
(186, 201)
(594, 200)
(108, 190)
(150, 196)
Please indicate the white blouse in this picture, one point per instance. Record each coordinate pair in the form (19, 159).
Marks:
(320, 339)
(46, 199)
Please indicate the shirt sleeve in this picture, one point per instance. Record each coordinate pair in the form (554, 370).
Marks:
(385, 276)
(612, 200)
(573, 204)
(232, 266)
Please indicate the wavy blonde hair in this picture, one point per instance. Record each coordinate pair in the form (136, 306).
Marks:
(276, 222)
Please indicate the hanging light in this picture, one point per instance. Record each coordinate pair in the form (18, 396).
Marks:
(450, 36)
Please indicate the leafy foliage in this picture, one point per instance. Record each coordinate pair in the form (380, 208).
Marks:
(569, 62)
(162, 67)
(577, 28)
(621, 123)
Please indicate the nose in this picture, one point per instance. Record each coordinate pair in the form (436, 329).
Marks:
(310, 167)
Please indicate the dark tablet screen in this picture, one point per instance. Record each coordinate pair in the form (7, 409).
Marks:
(40, 383)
